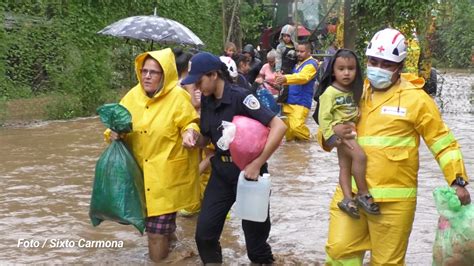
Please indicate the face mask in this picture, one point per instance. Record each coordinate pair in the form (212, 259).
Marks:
(379, 78)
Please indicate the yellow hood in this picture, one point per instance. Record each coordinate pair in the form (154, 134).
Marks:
(413, 81)
(166, 59)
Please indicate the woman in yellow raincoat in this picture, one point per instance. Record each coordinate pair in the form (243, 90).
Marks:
(395, 113)
(161, 113)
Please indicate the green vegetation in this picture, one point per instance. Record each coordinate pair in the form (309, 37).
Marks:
(454, 42)
(51, 48)
(374, 15)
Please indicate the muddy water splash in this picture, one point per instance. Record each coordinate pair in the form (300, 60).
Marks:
(47, 172)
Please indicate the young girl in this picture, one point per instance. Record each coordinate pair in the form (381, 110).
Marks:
(222, 101)
(341, 88)
(230, 50)
(243, 68)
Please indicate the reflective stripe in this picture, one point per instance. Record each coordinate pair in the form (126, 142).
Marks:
(448, 157)
(356, 261)
(442, 143)
(387, 141)
(389, 192)
(393, 193)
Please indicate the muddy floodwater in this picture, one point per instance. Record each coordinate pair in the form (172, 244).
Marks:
(47, 172)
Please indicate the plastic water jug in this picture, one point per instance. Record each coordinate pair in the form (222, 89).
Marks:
(253, 198)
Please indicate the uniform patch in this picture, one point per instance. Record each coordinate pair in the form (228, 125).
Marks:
(393, 110)
(252, 102)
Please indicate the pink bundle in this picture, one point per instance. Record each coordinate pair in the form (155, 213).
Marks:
(249, 140)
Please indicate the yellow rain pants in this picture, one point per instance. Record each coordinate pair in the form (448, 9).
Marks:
(296, 116)
(386, 235)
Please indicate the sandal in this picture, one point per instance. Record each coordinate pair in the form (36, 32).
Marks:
(370, 208)
(349, 206)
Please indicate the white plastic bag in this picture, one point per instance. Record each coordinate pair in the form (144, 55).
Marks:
(228, 134)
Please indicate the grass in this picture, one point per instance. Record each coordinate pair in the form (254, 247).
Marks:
(27, 111)
(23, 111)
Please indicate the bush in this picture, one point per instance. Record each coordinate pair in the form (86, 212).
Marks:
(63, 107)
(52, 48)
(455, 35)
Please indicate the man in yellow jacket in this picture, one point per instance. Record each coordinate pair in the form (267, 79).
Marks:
(161, 113)
(394, 113)
(300, 93)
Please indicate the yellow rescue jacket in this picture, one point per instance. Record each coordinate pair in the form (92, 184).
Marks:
(389, 130)
(171, 173)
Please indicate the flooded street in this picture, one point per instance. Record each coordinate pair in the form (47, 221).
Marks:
(47, 173)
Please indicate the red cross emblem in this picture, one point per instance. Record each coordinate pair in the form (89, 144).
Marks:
(381, 49)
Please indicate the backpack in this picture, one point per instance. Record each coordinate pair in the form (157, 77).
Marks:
(288, 60)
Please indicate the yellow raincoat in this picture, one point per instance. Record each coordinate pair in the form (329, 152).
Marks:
(170, 171)
(389, 130)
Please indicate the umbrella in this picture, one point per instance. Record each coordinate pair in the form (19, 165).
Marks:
(153, 28)
(303, 32)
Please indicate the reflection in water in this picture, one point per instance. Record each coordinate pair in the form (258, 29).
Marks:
(47, 173)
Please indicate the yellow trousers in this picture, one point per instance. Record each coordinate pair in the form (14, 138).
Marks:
(296, 116)
(385, 235)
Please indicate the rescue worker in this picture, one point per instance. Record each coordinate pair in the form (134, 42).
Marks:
(300, 93)
(161, 113)
(394, 113)
(222, 101)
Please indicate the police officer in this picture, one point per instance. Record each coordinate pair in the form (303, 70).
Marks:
(221, 101)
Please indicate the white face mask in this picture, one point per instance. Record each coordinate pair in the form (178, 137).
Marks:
(379, 78)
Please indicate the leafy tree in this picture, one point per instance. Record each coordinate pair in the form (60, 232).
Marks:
(405, 15)
(455, 33)
(52, 47)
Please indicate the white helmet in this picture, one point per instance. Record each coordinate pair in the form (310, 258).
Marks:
(231, 66)
(388, 44)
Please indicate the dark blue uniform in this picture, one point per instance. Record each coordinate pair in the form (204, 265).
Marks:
(221, 190)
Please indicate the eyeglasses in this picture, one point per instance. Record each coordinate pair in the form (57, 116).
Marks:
(152, 73)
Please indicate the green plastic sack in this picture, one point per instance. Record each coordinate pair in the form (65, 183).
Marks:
(118, 193)
(454, 243)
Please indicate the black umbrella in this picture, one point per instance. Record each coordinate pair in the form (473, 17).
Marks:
(153, 28)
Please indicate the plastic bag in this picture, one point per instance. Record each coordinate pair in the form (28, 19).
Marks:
(228, 134)
(266, 98)
(249, 140)
(118, 191)
(454, 244)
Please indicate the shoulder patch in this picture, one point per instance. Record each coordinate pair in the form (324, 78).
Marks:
(252, 102)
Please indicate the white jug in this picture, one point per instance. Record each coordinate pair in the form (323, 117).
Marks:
(253, 198)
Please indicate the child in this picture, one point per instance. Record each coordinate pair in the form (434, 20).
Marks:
(243, 67)
(230, 50)
(286, 55)
(341, 89)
